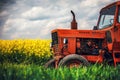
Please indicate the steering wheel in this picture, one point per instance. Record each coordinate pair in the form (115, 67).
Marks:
(111, 21)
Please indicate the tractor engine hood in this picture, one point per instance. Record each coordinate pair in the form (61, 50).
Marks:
(80, 33)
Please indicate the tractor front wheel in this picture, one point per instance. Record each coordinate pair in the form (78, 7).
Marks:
(73, 60)
(50, 64)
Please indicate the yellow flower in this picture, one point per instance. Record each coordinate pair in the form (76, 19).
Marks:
(38, 47)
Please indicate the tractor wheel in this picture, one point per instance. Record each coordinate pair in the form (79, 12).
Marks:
(73, 60)
(50, 64)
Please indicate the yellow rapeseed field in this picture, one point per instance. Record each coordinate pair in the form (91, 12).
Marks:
(29, 47)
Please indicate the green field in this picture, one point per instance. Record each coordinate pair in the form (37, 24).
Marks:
(35, 72)
(24, 60)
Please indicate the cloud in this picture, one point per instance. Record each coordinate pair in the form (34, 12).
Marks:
(35, 13)
(36, 18)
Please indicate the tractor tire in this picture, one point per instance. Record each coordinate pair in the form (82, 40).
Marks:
(50, 64)
(73, 60)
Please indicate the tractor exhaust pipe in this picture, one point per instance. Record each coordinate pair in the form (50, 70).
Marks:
(73, 23)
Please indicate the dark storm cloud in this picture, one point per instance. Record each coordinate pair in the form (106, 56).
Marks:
(3, 13)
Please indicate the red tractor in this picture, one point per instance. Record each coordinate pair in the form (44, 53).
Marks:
(72, 47)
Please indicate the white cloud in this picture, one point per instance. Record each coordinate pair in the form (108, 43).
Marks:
(35, 12)
(36, 18)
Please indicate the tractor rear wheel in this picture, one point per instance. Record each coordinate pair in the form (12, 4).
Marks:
(73, 60)
(50, 64)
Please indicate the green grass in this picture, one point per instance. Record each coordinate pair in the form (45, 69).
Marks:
(35, 72)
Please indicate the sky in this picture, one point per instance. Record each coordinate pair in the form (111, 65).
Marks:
(34, 19)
